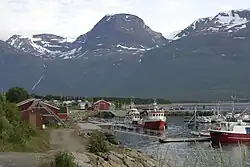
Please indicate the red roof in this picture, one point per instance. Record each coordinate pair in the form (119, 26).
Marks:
(102, 101)
(34, 103)
(36, 100)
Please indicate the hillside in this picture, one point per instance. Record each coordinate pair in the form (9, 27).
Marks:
(122, 56)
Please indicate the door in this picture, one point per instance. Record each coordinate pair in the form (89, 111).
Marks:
(102, 106)
(32, 119)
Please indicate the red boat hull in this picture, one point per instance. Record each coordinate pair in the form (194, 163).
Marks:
(155, 125)
(226, 137)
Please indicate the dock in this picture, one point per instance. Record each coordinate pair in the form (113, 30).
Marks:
(185, 139)
(139, 131)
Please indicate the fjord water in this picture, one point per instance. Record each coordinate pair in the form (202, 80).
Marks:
(183, 152)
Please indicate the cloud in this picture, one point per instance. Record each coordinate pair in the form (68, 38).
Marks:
(75, 17)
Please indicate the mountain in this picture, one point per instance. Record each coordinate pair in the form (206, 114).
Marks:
(18, 68)
(113, 34)
(44, 45)
(208, 59)
(224, 23)
(171, 35)
(121, 56)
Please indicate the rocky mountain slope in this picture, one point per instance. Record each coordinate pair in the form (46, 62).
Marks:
(121, 56)
(113, 34)
(224, 23)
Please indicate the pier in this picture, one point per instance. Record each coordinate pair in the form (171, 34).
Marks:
(188, 139)
(138, 130)
(132, 130)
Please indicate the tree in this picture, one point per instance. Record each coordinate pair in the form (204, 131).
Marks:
(16, 95)
(1, 97)
(11, 112)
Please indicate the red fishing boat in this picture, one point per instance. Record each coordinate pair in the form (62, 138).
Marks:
(230, 132)
(156, 119)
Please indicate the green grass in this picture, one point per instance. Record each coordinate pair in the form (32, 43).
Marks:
(38, 143)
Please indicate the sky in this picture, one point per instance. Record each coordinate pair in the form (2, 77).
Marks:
(71, 18)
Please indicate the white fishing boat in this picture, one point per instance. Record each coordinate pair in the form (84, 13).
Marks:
(133, 115)
(217, 117)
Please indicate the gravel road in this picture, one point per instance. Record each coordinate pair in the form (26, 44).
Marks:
(61, 139)
(13, 159)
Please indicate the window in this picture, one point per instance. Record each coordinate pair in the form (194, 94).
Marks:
(247, 130)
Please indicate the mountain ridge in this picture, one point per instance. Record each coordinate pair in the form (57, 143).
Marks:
(203, 63)
(223, 22)
(113, 34)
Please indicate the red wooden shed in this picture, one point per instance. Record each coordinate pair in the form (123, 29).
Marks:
(36, 112)
(102, 105)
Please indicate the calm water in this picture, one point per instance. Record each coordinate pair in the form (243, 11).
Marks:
(180, 151)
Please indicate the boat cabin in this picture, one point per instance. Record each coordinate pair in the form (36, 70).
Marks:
(156, 116)
(238, 126)
(132, 115)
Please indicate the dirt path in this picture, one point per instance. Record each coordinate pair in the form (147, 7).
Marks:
(66, 139)
(13, 159)
(61, 139)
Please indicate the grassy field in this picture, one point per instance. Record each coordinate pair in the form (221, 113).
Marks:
(38, 143)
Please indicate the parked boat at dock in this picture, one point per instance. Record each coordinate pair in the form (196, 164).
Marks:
(133, 115)
(230, 132)
(156, 119)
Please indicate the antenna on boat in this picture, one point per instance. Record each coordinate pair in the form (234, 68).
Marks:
(195, 112)
(233, 100)
(132, 104)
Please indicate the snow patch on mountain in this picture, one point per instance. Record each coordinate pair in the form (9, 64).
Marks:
(27, 44)
(129, 48)
(171, 35)
(228, 21)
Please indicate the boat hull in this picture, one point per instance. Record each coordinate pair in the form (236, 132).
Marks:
(155, 125)
(227, 137)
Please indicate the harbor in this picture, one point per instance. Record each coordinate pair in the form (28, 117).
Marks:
(159, 135)
(178, 142)
(153, 122)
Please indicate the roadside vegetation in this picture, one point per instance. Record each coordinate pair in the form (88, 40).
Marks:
(16, 135)
(63, 159)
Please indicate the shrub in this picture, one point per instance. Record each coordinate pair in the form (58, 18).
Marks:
(64, 159)
(97, 142)
(111, 138)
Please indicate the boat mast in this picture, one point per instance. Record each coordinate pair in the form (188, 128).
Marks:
(195, 112)
(233, 99)
(132, 104)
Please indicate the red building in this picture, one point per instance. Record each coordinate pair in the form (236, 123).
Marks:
(63, 113)
(102, 105)
(36, 112)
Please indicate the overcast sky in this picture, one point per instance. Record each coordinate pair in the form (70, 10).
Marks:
(71, 18)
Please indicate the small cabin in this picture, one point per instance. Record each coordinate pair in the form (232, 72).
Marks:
(102, 105)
